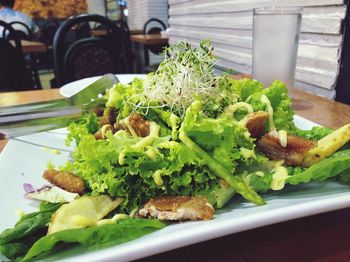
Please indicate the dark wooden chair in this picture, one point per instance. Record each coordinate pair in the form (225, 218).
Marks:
(25, 34)
(150, 28)
(14, 75)
(48, 32)
(89, 56)
(124, 34)
(31, 60)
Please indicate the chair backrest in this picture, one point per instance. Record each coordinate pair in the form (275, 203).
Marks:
(124, 33)
(155, 49)
(14, 75)
(49, 30)
(23, 31)
(79, 55)
(9, 31)
(90, 57)
(154, 30)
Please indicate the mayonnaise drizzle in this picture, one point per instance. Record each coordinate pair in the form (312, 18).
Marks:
(283, 138)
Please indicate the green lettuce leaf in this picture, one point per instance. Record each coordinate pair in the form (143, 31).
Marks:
(316, 133)
(88, 124)
(344, 177)
(283, 113)
(235, 182)
(122, 97)
(327, 168)
(14, 250)
(137, 168)
(259, 181)
(29, 224)
(244, 88)
(15, 242)
(97, 236)
(222, 137)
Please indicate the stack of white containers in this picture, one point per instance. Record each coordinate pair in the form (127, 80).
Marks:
(140, 11)
(137, 13)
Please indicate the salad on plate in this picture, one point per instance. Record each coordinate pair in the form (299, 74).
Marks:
(174, 146)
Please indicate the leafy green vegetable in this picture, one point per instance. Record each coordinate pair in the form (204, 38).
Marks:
(29, 224)
(316, 133)
(259, 181)
(218, 194)
(15, 242)
(125, 98)
(277, 94)
(283, 114)
(234, 181)
(222, 136)
(251, 91)
(246, 87)
(329, 167)
(14, 250)
(47, 206)
(344, 177)
(126, 166)
(99, 236)
(338, 165)
(88, 124)
(165, 166)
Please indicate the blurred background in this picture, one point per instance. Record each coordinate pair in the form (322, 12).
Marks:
(140, 29)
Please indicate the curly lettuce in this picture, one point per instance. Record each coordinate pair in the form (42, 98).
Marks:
(137, 168)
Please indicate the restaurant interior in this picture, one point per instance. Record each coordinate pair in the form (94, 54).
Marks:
(52, 49)
(57, 42)
(62, 41)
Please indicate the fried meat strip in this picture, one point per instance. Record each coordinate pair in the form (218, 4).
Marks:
(293, 154)
(100, 134)
(178, 208)
(109, 117)
(107, 120)
(138, 124)
(134, 124)
(255, 123)
(65, 180)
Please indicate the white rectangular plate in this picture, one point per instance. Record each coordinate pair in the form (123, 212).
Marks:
(24, 160)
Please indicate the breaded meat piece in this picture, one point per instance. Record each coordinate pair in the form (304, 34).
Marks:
(139, 125)
(178, 208)
(109, 117)
(65, 180)
(293, 154)
(255, 123)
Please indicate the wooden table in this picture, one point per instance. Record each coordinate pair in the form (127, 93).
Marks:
(136, 31)
(103, 32)
(151, 39)
(323, 237)
(31, 46)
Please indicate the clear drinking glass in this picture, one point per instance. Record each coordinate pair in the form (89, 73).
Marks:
(276, 34)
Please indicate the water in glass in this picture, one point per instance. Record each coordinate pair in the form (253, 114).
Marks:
(275, 46)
